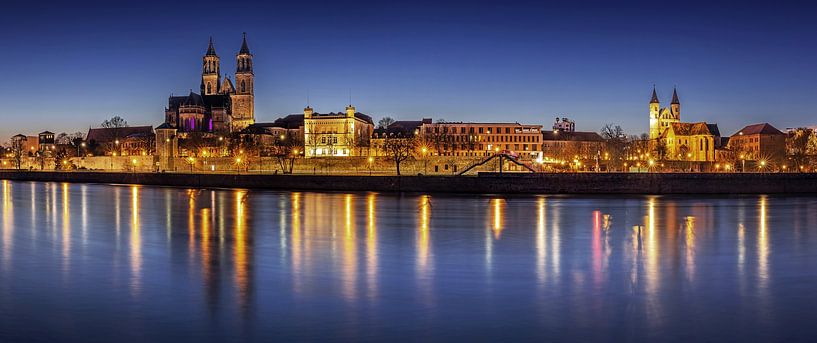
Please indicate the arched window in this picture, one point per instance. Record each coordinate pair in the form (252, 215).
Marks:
(209, 88)
(243, 86)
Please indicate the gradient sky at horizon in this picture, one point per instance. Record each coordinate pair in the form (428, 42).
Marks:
(69, 65)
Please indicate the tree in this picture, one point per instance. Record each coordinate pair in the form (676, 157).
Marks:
(62, 138)
(616, 144)
(286, 149)
(399, 149)
(114, 123)
(17, 150)
(76, 139)
(797, 146)
(385, 122)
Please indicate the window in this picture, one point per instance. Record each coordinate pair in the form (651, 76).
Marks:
(209, 88)
(243, 86)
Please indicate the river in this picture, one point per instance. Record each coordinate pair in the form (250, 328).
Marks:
(91, 262)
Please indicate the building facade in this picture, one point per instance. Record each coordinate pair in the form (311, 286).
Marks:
(220, 106)
(568, 145)
(336, 134)
(759, 142)
(690, 142)
(470, 139)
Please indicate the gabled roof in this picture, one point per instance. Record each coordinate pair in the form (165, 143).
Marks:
(165, 125)
(227, 86)
(292, 121)
(193, 99)
(104, 135)
(405, 125)
(759, 129)
(713, 129)
(693, 129)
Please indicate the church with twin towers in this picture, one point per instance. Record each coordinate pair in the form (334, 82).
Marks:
(222, 105)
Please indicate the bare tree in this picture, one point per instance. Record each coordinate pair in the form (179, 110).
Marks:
(285, 150)
(616, 144)
(399, 149)
(17, 150)
(385, 122)
(114, 123)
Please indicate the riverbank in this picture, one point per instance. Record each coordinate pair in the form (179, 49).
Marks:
(485, 183)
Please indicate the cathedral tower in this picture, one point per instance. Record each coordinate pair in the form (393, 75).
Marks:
(675, 105)
(210, 72)
(655, 109)
(243, 101)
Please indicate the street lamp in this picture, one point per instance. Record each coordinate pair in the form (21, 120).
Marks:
(425, 161)
(371, 160)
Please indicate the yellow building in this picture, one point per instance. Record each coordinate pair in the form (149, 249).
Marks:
(662, 118)
(672, 139)
(690, 141)
(336, 134)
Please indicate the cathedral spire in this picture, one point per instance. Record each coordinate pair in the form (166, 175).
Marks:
(211, 51)
(675, 97)
(245, 50)
(654, 99)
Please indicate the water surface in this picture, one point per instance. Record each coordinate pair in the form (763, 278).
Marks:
(81, 262)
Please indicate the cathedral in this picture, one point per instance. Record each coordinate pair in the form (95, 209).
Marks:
(221, 106)
(678, 141)
(662, 118)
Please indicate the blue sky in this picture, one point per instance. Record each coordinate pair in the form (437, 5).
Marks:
(67, 66)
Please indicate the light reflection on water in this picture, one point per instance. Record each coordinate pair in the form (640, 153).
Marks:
(109, 262)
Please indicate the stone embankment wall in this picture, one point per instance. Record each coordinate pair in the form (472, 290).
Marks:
(561, 183)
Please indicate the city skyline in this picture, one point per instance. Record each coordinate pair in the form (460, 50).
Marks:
(518, 62)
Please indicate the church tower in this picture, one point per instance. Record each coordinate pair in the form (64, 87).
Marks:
(675, 105)
(210, 72)
(655, 109)
(243, 100)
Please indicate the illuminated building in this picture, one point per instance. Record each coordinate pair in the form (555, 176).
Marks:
(336, 134)
(221, 105)
(471, 139)
(676, 140)
(759, 142)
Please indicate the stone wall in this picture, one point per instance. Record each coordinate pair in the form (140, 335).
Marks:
(486, 183)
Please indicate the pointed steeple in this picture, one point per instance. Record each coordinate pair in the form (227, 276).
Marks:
(211, 51)
(245, 50)
(654, 99)
(675, 97)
